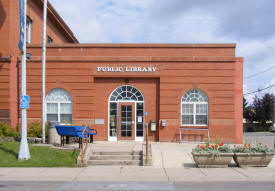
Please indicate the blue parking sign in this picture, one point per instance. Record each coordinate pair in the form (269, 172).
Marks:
(24, 102)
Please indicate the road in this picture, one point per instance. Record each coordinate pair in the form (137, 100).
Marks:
(263, 137)
(139, 186)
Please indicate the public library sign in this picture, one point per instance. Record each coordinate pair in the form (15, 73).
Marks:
(126, 69)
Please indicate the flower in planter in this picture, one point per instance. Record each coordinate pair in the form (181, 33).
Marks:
(216, 155)
(253, 155)
(257, 148)
(214, 149)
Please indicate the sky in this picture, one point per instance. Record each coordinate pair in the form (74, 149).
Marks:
(248, 23)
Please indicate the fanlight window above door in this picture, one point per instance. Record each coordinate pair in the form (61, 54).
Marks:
(126, 93)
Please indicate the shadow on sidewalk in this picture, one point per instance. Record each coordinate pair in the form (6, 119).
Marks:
(190, 165)
(193, 165)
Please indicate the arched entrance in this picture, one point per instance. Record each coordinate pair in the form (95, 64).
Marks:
(126, 114)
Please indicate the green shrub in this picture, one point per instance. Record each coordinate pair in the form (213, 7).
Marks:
(35, 129)
(7, 131)
(3, 129)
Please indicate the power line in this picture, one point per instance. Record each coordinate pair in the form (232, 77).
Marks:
(259, 72)
(259, 90)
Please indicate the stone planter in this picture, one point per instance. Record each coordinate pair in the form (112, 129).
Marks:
(211, 161)
(252, 159)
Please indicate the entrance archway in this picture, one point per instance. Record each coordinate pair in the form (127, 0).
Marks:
(126, 114)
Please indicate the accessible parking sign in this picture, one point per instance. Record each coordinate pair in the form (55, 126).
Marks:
(24, 102)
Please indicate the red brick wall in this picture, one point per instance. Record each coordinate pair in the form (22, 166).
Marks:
(239, 100)
(9, 27)
(4, 90)
(215, 79)
(36, 15)
(179, 69)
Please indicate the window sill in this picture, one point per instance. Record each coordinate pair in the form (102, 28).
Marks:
(192, 125)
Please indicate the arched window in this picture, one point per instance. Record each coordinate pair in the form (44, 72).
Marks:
(59, 106)
(194, 108)
(126, 93)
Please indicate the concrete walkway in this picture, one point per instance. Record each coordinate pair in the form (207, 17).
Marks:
(172, 163)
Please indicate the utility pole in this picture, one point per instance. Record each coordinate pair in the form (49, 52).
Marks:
(24, 153)
(44, 70)
(274, 112)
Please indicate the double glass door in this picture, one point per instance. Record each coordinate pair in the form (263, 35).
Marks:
(126, 121)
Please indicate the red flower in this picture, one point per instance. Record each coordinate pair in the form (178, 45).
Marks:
(201, 147)
(208, 144)
(221, 144)
(212, 146)
(259, 143)
(266, 145)
(234, 146)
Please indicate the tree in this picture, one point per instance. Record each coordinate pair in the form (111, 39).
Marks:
(248, 113)
(264, 108)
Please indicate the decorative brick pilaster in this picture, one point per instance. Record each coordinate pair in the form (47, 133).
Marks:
(13, 92)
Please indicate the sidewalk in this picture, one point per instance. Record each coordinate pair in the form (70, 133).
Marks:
(172, 163)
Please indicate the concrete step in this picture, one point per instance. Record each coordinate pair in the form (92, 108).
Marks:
(116, 153)
(115, 162)
(115, 157)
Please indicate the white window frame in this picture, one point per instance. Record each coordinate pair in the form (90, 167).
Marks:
(28, 30)
(59, 106)
(58, 109)
(194, 111)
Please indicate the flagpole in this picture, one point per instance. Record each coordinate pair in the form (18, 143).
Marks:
(44, 70)
(24, 153)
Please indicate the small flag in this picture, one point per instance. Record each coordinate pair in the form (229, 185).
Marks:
(22, 23)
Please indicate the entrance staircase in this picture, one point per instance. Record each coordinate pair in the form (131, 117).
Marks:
(116, 154)
(119, 158)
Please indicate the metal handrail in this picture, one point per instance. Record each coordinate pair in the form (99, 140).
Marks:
(147, 152)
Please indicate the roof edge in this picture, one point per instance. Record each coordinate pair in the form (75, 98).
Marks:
(52, 12)
(134, 45)
(136, 59)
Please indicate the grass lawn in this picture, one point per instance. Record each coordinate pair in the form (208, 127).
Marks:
(40, 156)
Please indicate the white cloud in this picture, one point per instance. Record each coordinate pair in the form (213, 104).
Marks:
(247, 23)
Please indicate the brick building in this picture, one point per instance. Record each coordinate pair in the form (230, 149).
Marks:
(118, 88)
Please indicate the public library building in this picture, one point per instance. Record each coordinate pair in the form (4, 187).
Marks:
(119, 88)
